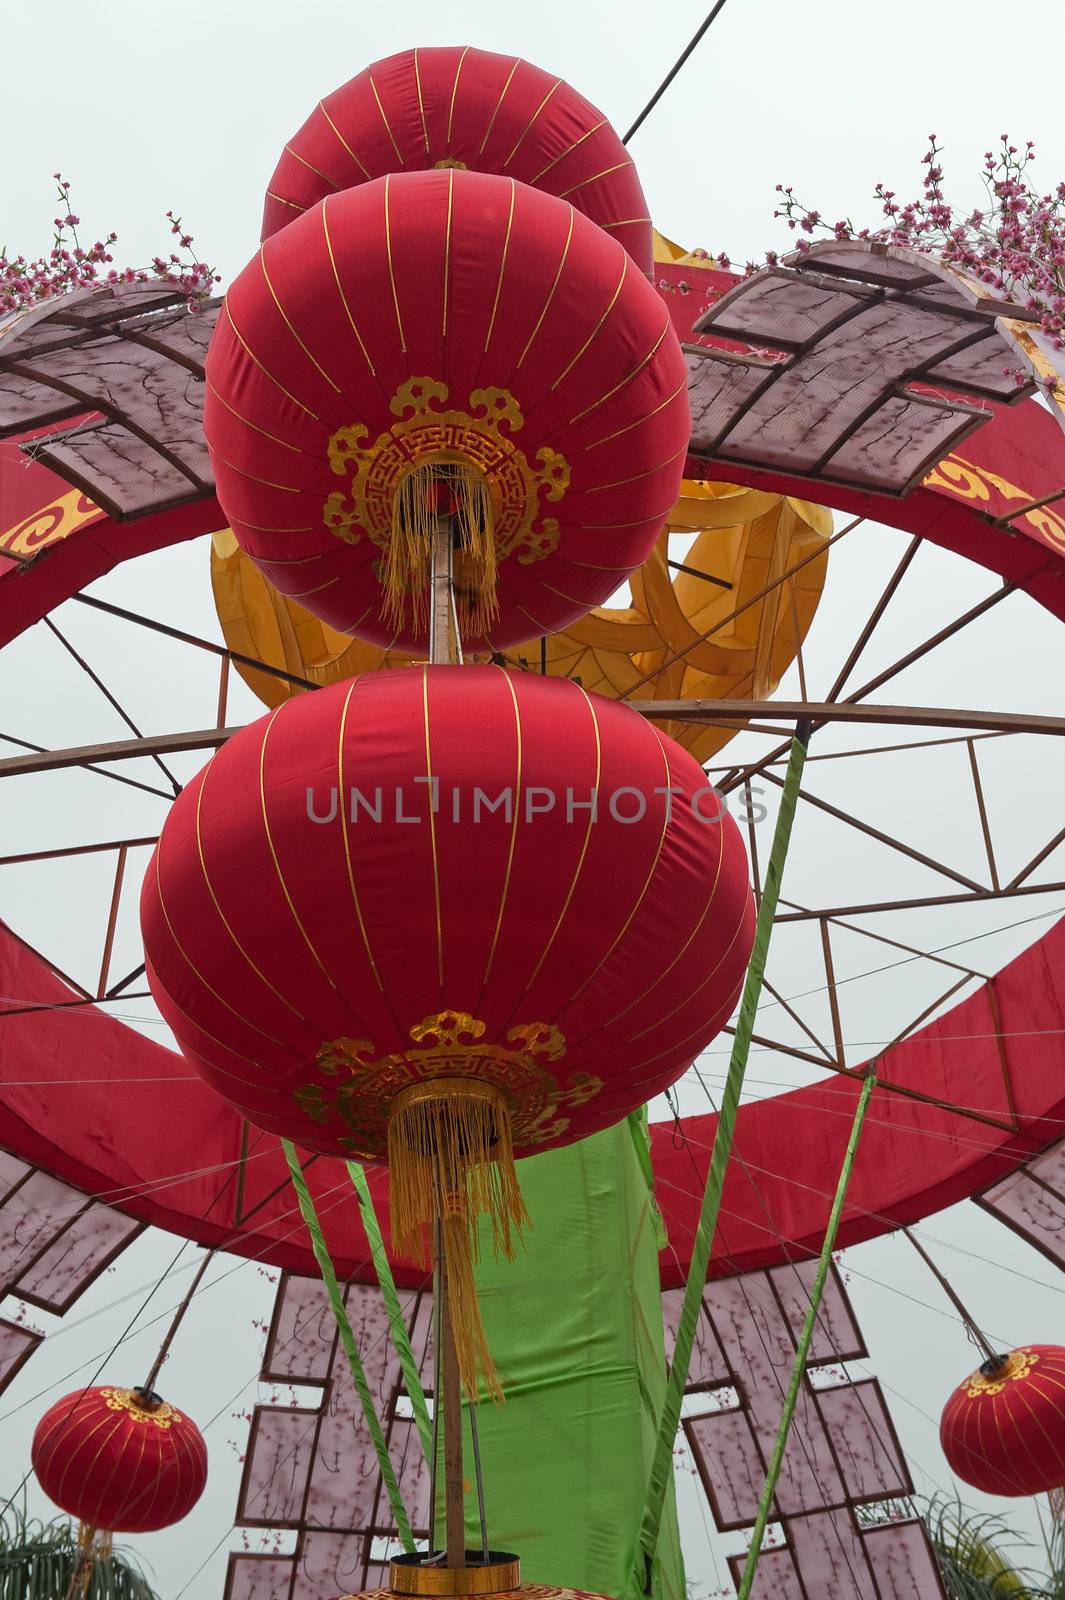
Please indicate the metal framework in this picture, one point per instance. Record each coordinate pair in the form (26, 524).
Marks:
(764, 717)
(141, 452)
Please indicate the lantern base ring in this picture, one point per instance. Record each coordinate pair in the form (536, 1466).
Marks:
(991, 1369)
(500, 1574)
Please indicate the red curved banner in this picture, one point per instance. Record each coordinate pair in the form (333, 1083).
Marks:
(128, 1121)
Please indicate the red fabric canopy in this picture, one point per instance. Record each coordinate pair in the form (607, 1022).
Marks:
(164, 1150)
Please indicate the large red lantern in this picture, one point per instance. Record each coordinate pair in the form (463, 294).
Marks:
(1003, 1429)
(465, 108)
(446, 915)
(446, 342)
(120, 1459)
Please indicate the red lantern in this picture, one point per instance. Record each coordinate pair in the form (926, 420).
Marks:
(120, 1459)
(446, 341)
(523, 964)
(1003, 1429)
(471, 109)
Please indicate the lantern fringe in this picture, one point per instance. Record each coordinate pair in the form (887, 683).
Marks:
(426, 492)
(450, 1154)
(1057, 1503)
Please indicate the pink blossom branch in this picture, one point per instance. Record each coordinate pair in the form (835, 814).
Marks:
(69, 265)
(1016, 246)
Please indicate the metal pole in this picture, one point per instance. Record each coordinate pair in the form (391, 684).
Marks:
(979, 1338)
(454, 1513)
(803, 1350)
(444, 644)
(437, 1397)
(662, 1463)
(164, 1349)
(475, 1440)
(445, 648)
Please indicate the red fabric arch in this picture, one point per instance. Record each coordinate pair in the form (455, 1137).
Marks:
(131, 1139)
(103, 1141)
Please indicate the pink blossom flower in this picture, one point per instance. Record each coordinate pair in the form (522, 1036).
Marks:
(70, 265)
(1016, 246)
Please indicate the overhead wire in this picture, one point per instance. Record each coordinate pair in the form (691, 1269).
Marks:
(674, 69)
(879, 1283)
(772, 1232)
(918, 1130)
(973, 938)
(892, 1223)
(644, 113)
(214, 1282)
(783, 1241)
(132, 1191)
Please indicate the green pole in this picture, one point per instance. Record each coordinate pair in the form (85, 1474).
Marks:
(351, 1349)
(803, 1351)
(662, 1464)
(396, 1320)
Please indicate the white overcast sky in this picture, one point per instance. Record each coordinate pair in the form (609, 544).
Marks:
(149, 108)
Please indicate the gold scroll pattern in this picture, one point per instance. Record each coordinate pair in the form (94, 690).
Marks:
(1018, 1366)
(161, 1416)
(964, 480)
(428, 430)
(50, 525)
(358, 1085)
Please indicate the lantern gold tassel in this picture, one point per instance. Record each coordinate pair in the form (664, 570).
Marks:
(475, 554)
(1057, 1503)
(430, 491)
(450, 1155)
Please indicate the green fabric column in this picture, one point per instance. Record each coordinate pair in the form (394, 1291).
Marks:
(575, 1326)
(660, 1481)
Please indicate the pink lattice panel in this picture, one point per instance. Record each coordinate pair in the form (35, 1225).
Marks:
(313, 1469)
(1031, 1201)
(54, 1242)
(842, 1452)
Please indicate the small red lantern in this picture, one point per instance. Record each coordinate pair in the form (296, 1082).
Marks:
(120, 1459)
(444, 916)
(446, 342)
(1003, 1429)
(466, 108)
